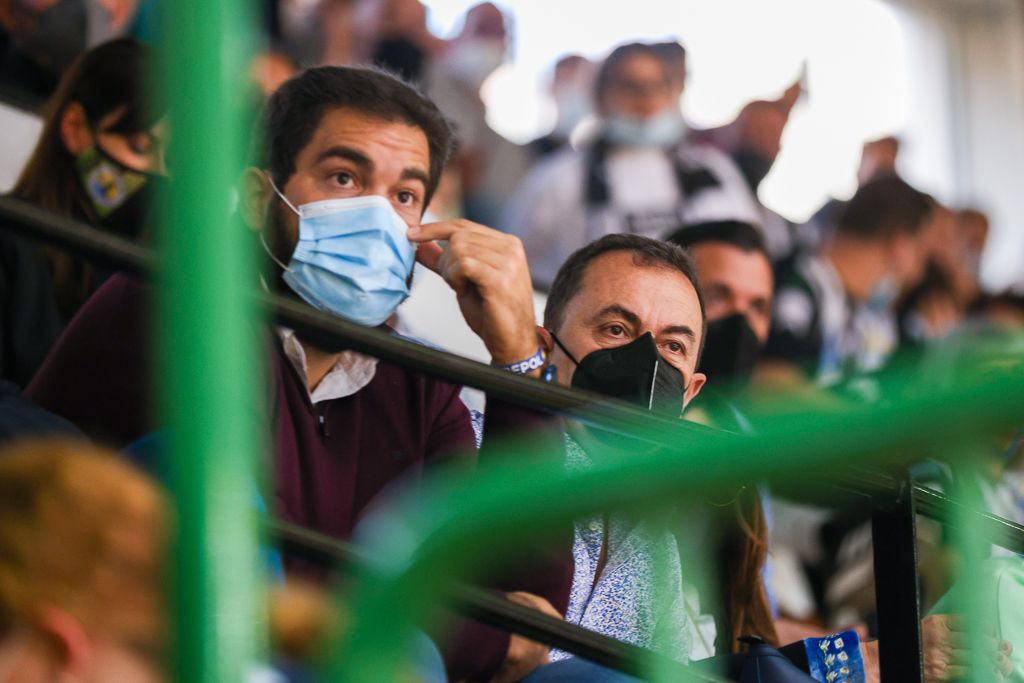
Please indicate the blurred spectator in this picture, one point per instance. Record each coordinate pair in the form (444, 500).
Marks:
(640, 175)
(931, 310)
(402, 42)
(41, 38)
(1003, 310)
(878, 159)
(83, 539)
(97, 160)
(268, 70)
(973, 228)
(673, 54)
(833, 313)
(753, 141)
(488, 166)
(571, 88)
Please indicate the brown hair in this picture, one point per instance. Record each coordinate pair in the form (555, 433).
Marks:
(741, 552)
(83, 531)
(104, 80)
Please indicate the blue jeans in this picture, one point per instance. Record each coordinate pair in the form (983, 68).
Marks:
(576, 669)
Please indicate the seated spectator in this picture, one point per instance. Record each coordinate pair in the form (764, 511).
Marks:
(83, 537)
(736, 278)
(625, 318)
(641, 174)
(40, 40)
(833, 314)
(617, 317)
(97, 161)
(351, 156)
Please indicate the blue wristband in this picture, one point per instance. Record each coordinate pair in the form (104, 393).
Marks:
(525, 367)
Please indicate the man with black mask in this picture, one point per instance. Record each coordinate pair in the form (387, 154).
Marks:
(736, 279)
(625, 318)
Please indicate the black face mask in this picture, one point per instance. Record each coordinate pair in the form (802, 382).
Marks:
(731, 350)
(634, 372)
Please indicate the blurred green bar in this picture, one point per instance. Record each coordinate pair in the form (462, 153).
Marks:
(210, 368)
(451, 524)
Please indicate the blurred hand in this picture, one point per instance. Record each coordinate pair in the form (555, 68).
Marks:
(488, 271)
(525, 655)
(945, 642)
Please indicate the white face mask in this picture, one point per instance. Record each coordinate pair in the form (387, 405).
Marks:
(664, 129)
(473, 60)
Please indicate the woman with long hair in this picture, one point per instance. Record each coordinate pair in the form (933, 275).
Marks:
(98, 160)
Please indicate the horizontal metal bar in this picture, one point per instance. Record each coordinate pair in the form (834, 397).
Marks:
(114, 251)
(942, 508)
(490, 609)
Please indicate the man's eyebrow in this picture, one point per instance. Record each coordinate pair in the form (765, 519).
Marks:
(615, 309)
(413, 173)
(684, 330)
(342, 152)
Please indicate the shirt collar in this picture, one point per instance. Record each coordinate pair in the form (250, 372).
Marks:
(352, 372)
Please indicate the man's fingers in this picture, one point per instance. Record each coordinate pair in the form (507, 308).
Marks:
(443, 230)
(429, 255)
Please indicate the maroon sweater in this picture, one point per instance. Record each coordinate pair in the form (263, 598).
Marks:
(332, 459)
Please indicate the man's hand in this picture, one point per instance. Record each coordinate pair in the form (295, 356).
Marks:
(488, 271)
(946, 650)
(525, 655)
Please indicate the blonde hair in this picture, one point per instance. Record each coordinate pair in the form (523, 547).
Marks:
(82, 531)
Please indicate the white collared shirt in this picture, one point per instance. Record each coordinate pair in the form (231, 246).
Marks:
(350, 373)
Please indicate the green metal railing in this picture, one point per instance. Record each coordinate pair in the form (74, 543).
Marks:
(538, 495)
(210, 369)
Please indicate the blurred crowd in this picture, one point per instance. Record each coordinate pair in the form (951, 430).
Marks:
(623, 252)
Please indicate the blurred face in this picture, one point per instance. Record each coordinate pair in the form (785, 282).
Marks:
(619, 301)
(144, 151)
(639, 89)
(28, 658)
(908, 259)
(351, 154)
(735, 281)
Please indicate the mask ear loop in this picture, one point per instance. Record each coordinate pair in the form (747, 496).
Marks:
(263, 241)
(562, 346)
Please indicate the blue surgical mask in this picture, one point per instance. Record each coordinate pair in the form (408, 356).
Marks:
(664, 129)
(353, 258)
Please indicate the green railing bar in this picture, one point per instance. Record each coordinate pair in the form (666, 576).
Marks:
(448, 526)
(210, 367)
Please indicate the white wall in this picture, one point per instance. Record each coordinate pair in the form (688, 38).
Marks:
(966, 139)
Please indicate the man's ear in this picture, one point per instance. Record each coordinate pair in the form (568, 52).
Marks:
(74, 129)
(696, 382)
(73, 647)
(546, 342)
(254, 195)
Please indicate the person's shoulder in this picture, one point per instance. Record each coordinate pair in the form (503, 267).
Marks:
(558, 164)
(796, 300)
